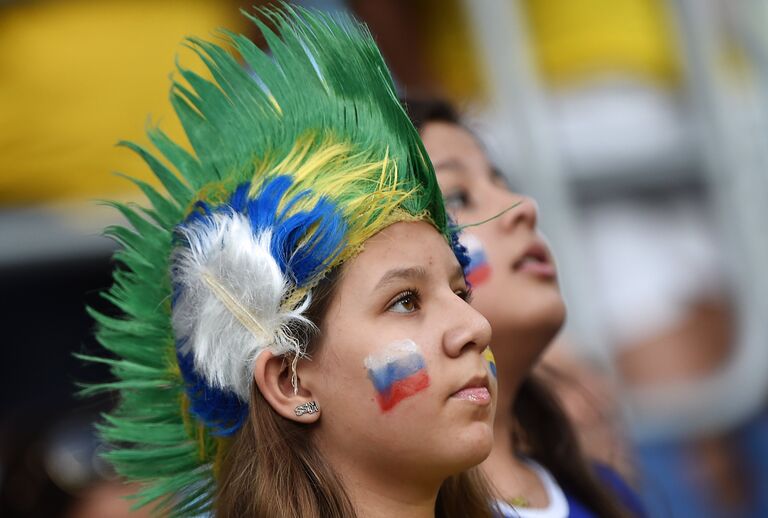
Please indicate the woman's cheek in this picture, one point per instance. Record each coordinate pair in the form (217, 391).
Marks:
(397, 371)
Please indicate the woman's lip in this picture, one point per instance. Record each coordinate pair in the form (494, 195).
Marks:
(479, 395)
(538, 269)
(536, 260)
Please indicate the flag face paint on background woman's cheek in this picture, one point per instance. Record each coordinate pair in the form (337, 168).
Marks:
(490, 360)
(479, 269)
(398, 372)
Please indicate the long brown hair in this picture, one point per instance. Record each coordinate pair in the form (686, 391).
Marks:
(273, 470)
(544, 432)
(546, 435)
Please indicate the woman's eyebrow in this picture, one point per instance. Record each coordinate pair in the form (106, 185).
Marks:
(450, 165)
(413, 273)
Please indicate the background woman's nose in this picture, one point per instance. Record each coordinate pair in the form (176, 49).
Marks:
(526, 212)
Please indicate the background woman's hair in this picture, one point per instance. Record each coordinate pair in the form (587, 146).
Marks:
(273, 469)
(544, 432)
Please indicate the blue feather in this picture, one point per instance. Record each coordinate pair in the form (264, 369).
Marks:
(262, 210)
(222, 411)
(459, 250)
(239, 198)
(307, 259)
(289, 205)
(300, 261)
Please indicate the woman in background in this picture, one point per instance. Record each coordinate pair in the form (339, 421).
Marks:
(536, 462)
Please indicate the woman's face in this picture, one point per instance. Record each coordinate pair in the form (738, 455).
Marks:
(513, 273)
(401, 371)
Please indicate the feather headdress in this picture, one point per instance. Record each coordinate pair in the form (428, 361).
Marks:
(298, 158)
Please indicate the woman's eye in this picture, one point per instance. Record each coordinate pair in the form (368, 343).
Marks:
(499, 179)
(456, 200)
(405, 303)
(465, 295)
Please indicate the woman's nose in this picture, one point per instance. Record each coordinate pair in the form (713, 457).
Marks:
(467, 329)
(526, 212)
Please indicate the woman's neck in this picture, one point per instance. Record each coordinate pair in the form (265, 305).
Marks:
(391, 492)
(375, 501)
(512, 478)
(395, 496)
(517, 351)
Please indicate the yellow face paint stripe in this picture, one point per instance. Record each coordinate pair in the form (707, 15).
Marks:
(488, 356)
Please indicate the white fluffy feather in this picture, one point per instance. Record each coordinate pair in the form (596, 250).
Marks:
(228, 310)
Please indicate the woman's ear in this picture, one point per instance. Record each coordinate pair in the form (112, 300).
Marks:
(273, 376)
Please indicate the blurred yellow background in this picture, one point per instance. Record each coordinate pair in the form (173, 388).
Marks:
(78, 76)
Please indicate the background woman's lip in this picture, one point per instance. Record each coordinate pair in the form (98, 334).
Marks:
(536, 268)
(537, 260)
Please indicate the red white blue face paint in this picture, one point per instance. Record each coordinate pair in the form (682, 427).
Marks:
(398, 372)
(479, 270)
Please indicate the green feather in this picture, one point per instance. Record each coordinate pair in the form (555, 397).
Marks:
(165, 212)
(176, 188)
(179, 157)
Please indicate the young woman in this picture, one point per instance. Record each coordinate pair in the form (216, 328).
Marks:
(536, 464)
(296, 339)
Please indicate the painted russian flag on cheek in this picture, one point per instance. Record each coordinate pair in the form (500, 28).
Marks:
(478, 270)
(397, 373)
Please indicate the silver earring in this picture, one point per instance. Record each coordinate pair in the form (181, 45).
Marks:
(309, 407)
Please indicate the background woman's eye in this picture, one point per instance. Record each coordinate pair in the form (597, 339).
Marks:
(465, 294)
(456, 200)
(501, 180)
(406, 303)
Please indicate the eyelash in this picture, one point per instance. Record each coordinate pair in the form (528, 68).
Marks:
(501, 180)
(466, 294)
(407, 294)
(463, 294)
(460, 196)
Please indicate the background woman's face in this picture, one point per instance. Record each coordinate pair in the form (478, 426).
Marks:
(513, 279)
(400, 371)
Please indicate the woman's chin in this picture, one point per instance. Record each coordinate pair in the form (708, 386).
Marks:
(535, 320)
(473, 447)
(540, 311)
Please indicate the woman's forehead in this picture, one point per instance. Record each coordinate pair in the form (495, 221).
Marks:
(452, 148)
(404, 246)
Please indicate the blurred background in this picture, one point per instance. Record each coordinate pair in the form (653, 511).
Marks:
(640, 126)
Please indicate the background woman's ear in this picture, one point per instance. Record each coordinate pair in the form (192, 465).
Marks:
(273, 378)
